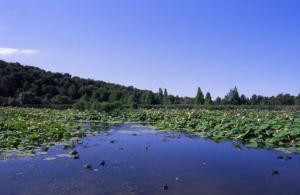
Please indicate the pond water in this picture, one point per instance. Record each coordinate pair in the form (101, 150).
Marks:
(141, 160)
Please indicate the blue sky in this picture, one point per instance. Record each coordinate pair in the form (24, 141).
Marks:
(174, 44)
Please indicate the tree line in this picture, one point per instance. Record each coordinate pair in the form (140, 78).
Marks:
(233, 98)
(28, 85)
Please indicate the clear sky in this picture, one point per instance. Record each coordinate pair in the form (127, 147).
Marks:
(174, 44)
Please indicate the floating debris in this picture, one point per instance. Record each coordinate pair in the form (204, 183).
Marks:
(49, 158)
(44, 148)
(165, 187)
(78, 134)
(19, 173)
(73, 152)
(275, 172)
(102, 163)
(285, 158)
(64, 155)
(41, 153)
(67, 146)
(288, 157)
(87, 166)
(237, 146)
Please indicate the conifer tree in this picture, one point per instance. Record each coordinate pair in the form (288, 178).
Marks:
(199, 100)
(207, 100)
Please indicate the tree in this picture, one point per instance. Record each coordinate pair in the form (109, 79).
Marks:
(253, 99)
(133, 99)
(284, 99)
(31, 85)
(28, 98)
(166, 98)
(199, 99)
(233, 97)
(218, 101)
(72, 91)
(207, 100)
(165, 92)
(61, 99)
(159, 96)
(297, 100)
(171, 99)
(147, 98)
(244, 100)
(160, 93)
(114, 96)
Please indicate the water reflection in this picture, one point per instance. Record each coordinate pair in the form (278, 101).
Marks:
(140, 160)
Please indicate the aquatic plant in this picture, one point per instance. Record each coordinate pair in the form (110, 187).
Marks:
(28, 128)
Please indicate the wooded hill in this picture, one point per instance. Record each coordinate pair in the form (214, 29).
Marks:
(28, 85)
(21, 85)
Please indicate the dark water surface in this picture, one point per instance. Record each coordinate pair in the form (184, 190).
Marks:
(142, 160)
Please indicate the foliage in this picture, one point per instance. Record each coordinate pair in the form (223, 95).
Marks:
(208, 100)
(274, 129)
(61, 99)
(26, 128)
(233, 97)
(26, 86)
(297, 100)
(199, 99)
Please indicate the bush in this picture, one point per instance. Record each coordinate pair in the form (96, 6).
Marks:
(96, 105)
(80, 105)
(28, 98)
(61, 99)
(108, 106)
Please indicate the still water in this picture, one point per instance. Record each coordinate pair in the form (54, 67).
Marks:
(141, 160)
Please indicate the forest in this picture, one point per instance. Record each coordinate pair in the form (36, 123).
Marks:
(27, 85)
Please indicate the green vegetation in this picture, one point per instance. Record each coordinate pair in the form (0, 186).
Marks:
(98, 101)
(31, 86)
(27, 128)
(199, 99)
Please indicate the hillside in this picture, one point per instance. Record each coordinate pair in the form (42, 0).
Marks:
(28, 85)
(20, 85)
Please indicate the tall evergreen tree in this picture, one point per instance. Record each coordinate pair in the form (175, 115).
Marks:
(207, 100)
(199, 99)
(165, 92)
(233, 97)
(159, 96)
(160, 92)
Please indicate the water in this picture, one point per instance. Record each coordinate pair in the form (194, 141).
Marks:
(142, 160)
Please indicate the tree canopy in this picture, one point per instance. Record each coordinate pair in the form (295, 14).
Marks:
(27, 85)
(199, 99)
